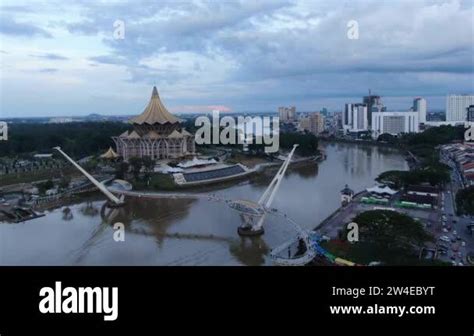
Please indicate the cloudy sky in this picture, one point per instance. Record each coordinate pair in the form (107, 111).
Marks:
(63, 58)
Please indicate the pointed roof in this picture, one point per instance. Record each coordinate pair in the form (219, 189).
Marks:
(347, 191)
(110, 154)
(185, 133)
(155, 112)
(124, 134)
(133, 135)
(175, 134)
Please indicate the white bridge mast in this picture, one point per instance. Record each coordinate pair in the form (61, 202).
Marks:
(99, 185)
(257, 211)
(267, 197)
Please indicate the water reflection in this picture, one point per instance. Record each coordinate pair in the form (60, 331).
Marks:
(89, 209)
(67, 214)
(250, 251)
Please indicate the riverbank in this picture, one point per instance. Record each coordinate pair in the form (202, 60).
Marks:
(359, 142)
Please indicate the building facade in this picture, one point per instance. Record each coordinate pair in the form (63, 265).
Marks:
(419, 105)
(287, 114)
(470, 113)
(313, 123)
(156, 133)
(394, 123)
(456, 107)
(374, 104)
(355, 118)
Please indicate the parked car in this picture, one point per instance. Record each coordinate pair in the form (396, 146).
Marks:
(445, 239)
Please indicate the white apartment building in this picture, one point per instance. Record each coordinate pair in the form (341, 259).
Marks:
(354, 118)
(419, 105)
(394, 123)
(456, 107)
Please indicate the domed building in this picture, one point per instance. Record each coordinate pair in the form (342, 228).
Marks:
(156, 133)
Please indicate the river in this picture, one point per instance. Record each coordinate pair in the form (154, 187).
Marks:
(194, 231)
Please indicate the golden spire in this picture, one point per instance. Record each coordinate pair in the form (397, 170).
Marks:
(155, 112)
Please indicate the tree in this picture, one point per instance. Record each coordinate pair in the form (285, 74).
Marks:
(308, 143)
(149, 165)
(136, 164)
(64, 182)
(121, 170)
(434, 174)
(391, 230)
(42, 187)
(388, 138)
(394, 178)
(465, 200)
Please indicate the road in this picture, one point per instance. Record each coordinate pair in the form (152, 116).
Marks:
(456, 226)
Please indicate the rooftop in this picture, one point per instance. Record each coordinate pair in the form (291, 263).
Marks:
(155, 112)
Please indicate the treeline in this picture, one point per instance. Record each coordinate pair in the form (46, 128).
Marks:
(88, 138)
(423, 144)
(307, 144)
(77, 139)
(435, 175)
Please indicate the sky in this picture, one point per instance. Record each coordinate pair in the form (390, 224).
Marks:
(61, 58)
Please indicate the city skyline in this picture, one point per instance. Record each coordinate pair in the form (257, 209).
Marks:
(63, 59)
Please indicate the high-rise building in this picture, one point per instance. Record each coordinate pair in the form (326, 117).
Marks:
(456, 106)
(287, 114)
(282, 114)
(355, 118)
(292, 113)
(470, 113)
(394, 123)
(313, 122)
(374, 104)
(419, 105)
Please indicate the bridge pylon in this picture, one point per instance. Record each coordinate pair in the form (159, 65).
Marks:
(113, 201)
(254, 219)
